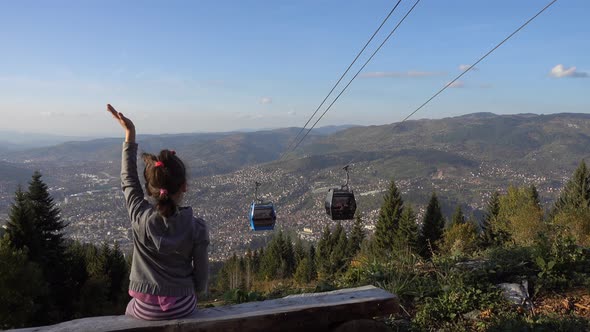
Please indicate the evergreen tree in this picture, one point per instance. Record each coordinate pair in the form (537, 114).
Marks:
(432, 227)
(21, 230)
(407, 234)
(22, 289)
(388, 222)
(118, 276)
(46, 219)
(299, 251)
(458, 216)
(488, 236)
(323, 253)
(535, 195)
(288, 258)
(303, 273)
(576, 193)
(357, 235)
(311, 258)
(339, 253)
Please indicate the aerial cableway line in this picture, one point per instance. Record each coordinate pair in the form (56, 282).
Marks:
(355, 75)
(340, 79)
(470, 67)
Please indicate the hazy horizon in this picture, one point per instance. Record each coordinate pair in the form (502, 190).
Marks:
(214, 67)
(4, 133)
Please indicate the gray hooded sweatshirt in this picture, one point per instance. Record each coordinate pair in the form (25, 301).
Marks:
(170, 254)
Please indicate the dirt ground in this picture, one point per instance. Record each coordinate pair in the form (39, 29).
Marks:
(573, 301)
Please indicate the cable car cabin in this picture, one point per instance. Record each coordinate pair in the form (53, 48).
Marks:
(262, 216)
(340, 204)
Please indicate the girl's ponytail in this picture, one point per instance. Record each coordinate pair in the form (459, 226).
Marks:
(165, 176)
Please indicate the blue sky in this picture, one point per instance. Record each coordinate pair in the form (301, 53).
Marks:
(188, 66)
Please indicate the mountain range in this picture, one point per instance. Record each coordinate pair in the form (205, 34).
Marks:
(503, 149)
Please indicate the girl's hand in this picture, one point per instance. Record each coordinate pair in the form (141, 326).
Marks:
(126, 123)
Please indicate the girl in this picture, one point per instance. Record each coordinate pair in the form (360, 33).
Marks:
(170, 259)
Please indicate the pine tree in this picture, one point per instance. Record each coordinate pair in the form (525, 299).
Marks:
(407, 234)
(311, 255)
(118, 275)
(338, 255)
(323, 253)
(299, 250)
(576, 193)
(388, 222)
(535, 195)
(357, 235)
(432, 227)
(21, 230)
(302, 273)
(22, 289)
(270, 260)
(488, 233)
(458, 216)
(287, 258)
(47, 220)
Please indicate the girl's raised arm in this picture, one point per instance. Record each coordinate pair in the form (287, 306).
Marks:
(125, 123)
(134, 200)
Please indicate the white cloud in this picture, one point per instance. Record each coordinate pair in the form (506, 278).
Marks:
(265, 100)
(456, 84)
(291, 113)
(560, 71)
(465, 67)
(396, 74)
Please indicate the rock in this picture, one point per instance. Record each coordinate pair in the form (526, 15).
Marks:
(517, 294)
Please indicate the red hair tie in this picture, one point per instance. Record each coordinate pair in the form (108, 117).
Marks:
(159, 164)
(173, 152)
(163, 192)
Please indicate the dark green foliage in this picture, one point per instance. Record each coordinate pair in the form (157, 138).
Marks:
(339, 256)
(332, 256)
(303, 271)
(388, 222)
(357, 235)
(407, 233)
(535, 195)
(47, 221)
(453, 303)
(22, 287)
(311, 258)
(458, 217)
(277, 261)
(432, 227)
(299, 251)
(21, 229)
(576, 193)
(324, 249)
(488, 234)
(56, 280)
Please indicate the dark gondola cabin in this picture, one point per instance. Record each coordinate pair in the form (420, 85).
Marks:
(340, 204)
(262, 216)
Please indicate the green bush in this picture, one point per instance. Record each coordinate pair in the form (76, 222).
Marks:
(450, 307)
